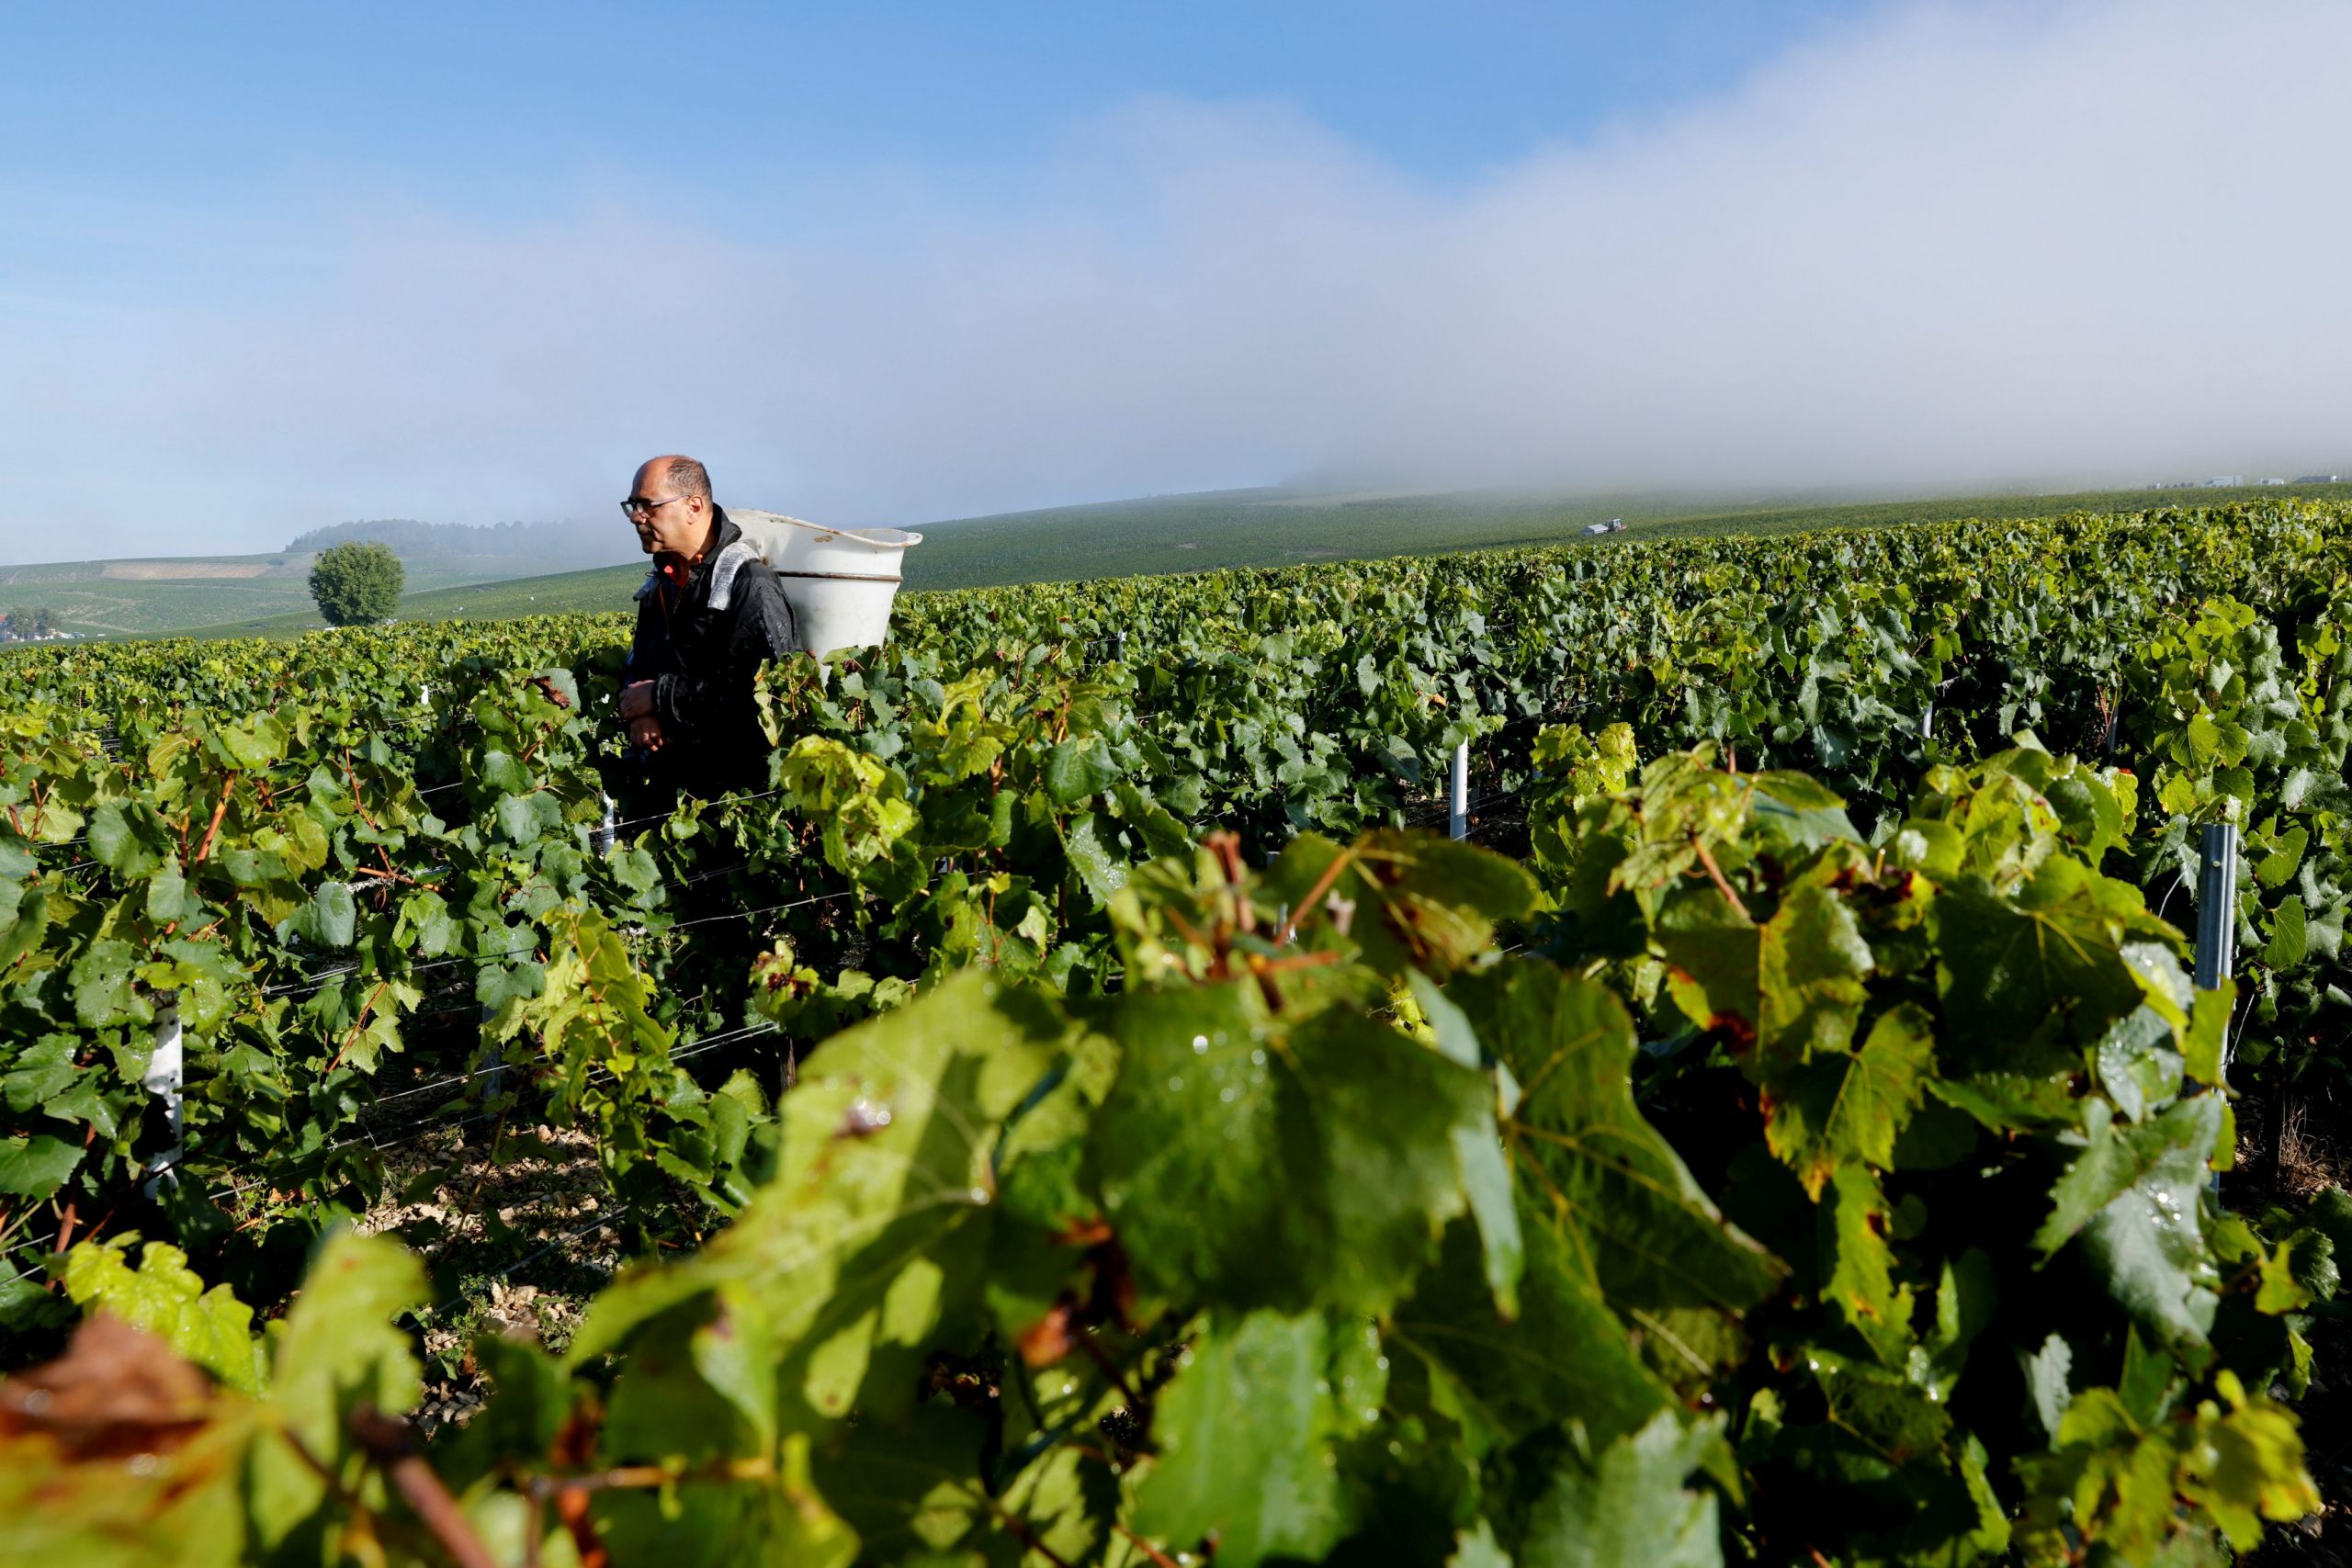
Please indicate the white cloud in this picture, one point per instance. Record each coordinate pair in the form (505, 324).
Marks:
(1955, 244)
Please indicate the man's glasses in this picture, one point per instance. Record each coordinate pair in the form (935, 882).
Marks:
(638, 507)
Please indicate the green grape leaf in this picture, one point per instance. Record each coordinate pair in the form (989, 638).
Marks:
(1163, 834)
(1241, 1433)
(1079, 769)
(1477, 1548)
(2250, 1466)
(2209, 1031)
(339, 1351)
(719, 1525)
(525, 819)
(495, 770)
(105, 987)
(1099, 869)
(1629, 1509)
(914, 1491)
(1257, 1165)
(37, 1166)
(2331, 1216)
(1486, 1166)
(162, 1296)
(2011, 1102)
(1655, 1240)
(43, 1070)
(1715, 960)
(2134, 1197)
(167, 895)
(253, 742)
(1845, 1106)
(1566, 1358)
(2278, 1291)
(2011, 961)
(865, 1252)
(126, 841)
(2048, 1389)
(2137, 1064)
(2275, 868)
(1965, 1297)
(330, 919)
(2288, 942)
(1810, 963)
(2111, 1161)
(1412, 900)
(1859, 1282)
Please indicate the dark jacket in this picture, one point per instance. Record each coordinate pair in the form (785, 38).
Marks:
(701, 647)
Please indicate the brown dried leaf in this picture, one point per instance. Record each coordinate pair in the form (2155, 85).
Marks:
(115, 1390)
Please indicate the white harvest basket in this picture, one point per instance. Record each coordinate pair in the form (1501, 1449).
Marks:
(838, 582)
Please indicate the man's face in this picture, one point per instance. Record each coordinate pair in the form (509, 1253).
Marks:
(673, 522)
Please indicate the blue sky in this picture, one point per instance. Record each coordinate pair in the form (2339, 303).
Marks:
(519, 103)
(265, 267)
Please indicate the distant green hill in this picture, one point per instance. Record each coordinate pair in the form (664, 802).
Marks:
(1162, 535)
(599, 588)
(172, 594)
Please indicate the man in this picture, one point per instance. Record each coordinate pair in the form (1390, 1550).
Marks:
(710, 614)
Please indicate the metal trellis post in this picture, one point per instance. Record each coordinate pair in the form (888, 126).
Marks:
(1457, 821)
(164, 1077)
(2217, 890)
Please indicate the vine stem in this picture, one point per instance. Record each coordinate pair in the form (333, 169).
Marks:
(1722, 886)
(220, 809)
(1157, 1556)
(387, 1441)
(1026, 1534)
(394, 876)
(640, 1477)
(1110, 1369)
(352, 779)
(362, 1023)
(1323, 884)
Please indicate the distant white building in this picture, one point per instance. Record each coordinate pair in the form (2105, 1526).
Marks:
(2224, 481)
(2319, 479)
(2274, 481)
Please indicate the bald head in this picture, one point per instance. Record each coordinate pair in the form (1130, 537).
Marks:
(669, 505)
(673, 475)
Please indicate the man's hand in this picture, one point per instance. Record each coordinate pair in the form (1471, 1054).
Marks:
(645, 733)
(637, 702)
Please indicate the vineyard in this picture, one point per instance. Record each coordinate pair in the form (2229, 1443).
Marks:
(1088, 1110)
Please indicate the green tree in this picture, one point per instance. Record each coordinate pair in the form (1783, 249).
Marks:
(357, 584)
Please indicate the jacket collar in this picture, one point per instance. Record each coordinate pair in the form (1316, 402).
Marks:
(723, 533)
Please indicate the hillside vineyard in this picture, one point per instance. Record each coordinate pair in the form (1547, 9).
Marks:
(1082, 1112)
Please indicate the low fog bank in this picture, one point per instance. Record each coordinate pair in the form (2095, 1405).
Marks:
(1957, 245)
